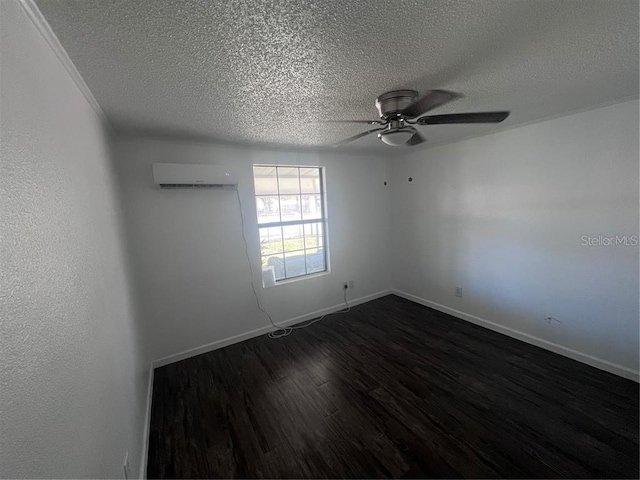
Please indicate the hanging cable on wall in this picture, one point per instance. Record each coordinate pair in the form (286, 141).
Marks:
(280, 331)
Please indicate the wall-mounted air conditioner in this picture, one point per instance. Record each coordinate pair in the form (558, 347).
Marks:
(180, 175)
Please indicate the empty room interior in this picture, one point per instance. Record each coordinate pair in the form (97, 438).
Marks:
(334, 239)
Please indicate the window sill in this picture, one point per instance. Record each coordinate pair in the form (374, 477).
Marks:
(297, 279)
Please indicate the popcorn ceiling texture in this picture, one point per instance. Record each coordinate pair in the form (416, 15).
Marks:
(263, 71)
(72, 392)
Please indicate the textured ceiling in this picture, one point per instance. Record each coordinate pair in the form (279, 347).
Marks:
(260, 71)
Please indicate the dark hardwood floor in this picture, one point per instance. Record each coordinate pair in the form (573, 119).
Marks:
(391, 389)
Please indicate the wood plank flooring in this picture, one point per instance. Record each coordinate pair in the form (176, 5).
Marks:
(391, 389)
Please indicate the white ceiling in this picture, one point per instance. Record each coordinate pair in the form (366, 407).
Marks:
(262, 71)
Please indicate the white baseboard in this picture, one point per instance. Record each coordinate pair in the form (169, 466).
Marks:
(147, 426)
(525, 337)
(260, 331)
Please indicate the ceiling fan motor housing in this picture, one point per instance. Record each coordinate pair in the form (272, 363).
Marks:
(390, 104)
(400, 110)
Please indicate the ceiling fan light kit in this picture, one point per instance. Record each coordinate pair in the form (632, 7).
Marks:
(395, 138)
(399, 108)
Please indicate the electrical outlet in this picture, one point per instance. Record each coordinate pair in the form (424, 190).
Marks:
(352, 284)
(125, 466)
(345, 285)
(458, 291)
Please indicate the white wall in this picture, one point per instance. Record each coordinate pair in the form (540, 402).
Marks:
(72, 389)
(503, 216)
(190, 260)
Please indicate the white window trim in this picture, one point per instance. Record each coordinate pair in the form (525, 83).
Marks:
(324, 221)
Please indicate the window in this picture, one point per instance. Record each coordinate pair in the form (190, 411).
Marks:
(291, 221)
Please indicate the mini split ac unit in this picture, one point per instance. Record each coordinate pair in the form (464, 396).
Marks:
(179, 175)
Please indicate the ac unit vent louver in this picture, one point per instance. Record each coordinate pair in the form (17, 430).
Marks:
(196, 185)
(178, 175)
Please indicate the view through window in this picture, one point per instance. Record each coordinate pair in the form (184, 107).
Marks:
(291, 220)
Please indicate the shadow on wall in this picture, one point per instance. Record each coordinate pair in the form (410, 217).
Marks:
(143, 368)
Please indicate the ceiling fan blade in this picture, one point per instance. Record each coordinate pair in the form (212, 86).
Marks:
(431, 100)
(479, 117)
(368, 122)
(355, 137)
(417, 139)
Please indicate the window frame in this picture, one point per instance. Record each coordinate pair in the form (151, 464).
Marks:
(322, 220)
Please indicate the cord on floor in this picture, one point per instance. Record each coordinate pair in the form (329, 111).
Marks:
(284, 331)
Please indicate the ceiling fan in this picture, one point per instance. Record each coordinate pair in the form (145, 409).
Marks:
(399, 111)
